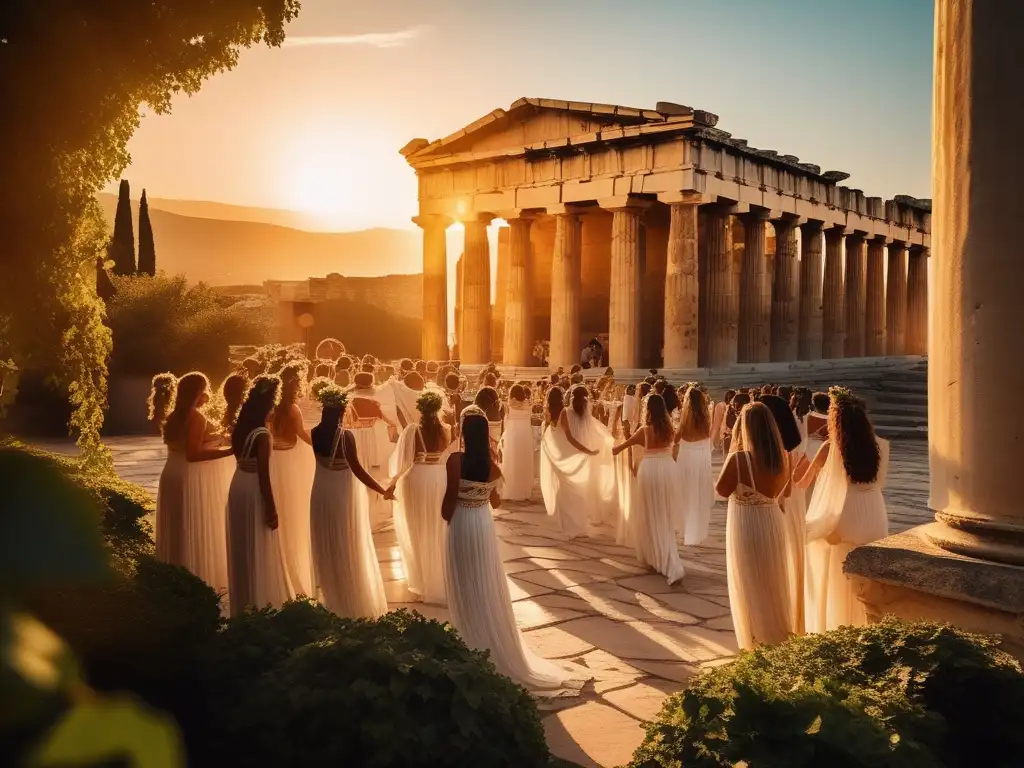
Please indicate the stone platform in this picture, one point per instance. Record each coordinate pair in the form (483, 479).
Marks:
(589, 601)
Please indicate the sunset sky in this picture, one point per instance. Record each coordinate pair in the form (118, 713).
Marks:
(316, 126)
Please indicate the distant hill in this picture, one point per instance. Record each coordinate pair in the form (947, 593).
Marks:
(248, 250)
(202, 209)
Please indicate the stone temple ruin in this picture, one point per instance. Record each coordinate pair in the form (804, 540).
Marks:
(651, 225)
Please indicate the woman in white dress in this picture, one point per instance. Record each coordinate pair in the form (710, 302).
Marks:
(846, 510)
(366, 419)
(517, 446)
(291, 473)
(562, 464)
(657, 493)
(170, 496)
(418, 468)
(718, 426)
(256, 572)
(593, 485)
(488, 401)
(478, 596)
(205, 479)
(693, 459)
(754, 477)
(346, 575)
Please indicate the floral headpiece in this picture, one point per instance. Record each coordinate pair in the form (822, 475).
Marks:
(317, 384)
(332, 396)
(696, 385)
(472, 410)
(842, 396)
(264, 384)
(429, 402)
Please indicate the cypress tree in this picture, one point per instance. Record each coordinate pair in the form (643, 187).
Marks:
(122, 244)
(147, 250)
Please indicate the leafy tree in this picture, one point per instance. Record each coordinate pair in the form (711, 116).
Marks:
(147, 250)
(122, 244)
(73, 77)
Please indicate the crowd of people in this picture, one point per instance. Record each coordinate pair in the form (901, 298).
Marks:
(264, 510)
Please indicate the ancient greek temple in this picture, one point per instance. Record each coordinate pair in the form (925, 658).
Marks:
(684, 245)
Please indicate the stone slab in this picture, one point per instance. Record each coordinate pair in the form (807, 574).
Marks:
(593, 735)
(645, 699)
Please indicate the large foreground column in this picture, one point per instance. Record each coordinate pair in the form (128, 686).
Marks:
(785, 305)
(755, 311)
(809, 331)
(856, 307)
(682, 288)
(476, 294)
(833, 300)
(625, 289)
(896, 300)
(517, 347)
(917, 302)
(722, 313)
(434, 332)
(565, 290)
(874, 325)
(974, 352)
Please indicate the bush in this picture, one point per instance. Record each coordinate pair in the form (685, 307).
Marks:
(163, 324)
(303, 687)
(889, 694)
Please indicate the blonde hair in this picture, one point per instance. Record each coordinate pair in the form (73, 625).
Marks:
(695, 416)
(761, 438)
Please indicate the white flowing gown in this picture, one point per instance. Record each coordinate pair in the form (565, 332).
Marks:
(170, 508)
(256, 572)
(579, 488)
(656, 499)
(291, 478)
(206, 485)
(419, 527)
(517, 453)
(479, 601)
(346, 574)
(851, 514)
(697, 489)
(373, 446)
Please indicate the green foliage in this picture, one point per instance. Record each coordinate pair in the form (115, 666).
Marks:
(147, 248)
(122, 243)
(898, 694)
(162, 323)
(58, 152)
(302, 687)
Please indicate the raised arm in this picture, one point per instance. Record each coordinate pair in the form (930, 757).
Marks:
(635, 439)
(563, 422)
(804, 478)
(263, 451)
(195, 435)
(453, 469)
(352, 454)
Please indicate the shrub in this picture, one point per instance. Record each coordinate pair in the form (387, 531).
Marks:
(303, 687)
(889, 694)
(163, 324)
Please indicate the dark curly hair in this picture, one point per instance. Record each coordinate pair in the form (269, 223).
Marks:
(260, 401)
(555, 405)
(850, 430)
(657, 418)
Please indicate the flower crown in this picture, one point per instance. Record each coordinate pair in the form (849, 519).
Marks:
(842, 396)
(429, 402)
(472, 410)
(317, 384)
(332, 396)
(696, 385)
(266, 383)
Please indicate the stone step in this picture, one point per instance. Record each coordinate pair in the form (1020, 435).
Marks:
(906, 386)
(887, 409)
(907, 398)
(901, 433)
(907, 376)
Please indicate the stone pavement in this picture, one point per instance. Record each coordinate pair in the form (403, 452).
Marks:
(590, 602)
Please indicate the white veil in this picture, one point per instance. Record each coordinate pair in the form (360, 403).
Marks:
(826, 505)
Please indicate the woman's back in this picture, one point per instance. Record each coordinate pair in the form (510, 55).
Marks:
(749, 476)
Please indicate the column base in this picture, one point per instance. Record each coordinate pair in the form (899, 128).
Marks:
(977, 536)
(909, 576)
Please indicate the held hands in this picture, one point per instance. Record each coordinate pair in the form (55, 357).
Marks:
(271, 516)
(389, 493)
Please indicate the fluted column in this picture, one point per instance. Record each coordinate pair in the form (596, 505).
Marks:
(917, 302)
(896, 300)
(785, 307)
(755, 303)
(833, 300)
(434, 332)
(517, 347)
(856, 306)
(624, 303)
(682, 288)
(809, 330)
(874, 322)
(476, 294)
(974, 359)
(565, 289)
(722, 312)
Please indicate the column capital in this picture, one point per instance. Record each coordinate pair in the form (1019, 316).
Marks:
(476, 218)
(881, 239)
(920, 250)
(627, 203)
(897, 244)
(787, 220)
(837, 230)
(756, 213)
(812, 226)
(565, 209)
(430, 220)
(682, 197)
(518, 214)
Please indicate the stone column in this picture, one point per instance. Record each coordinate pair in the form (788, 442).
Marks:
(434, 332)
(517, 346)
(974, 348)
(755, 311)
(896, 300)
(874, 323)
(682, 287)
(476, 294)
(626, 275)
(833, 300)
(917, 302)
(565, 289)
(785, 307)
(856, 306)
(722, 313)
(809, 330)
